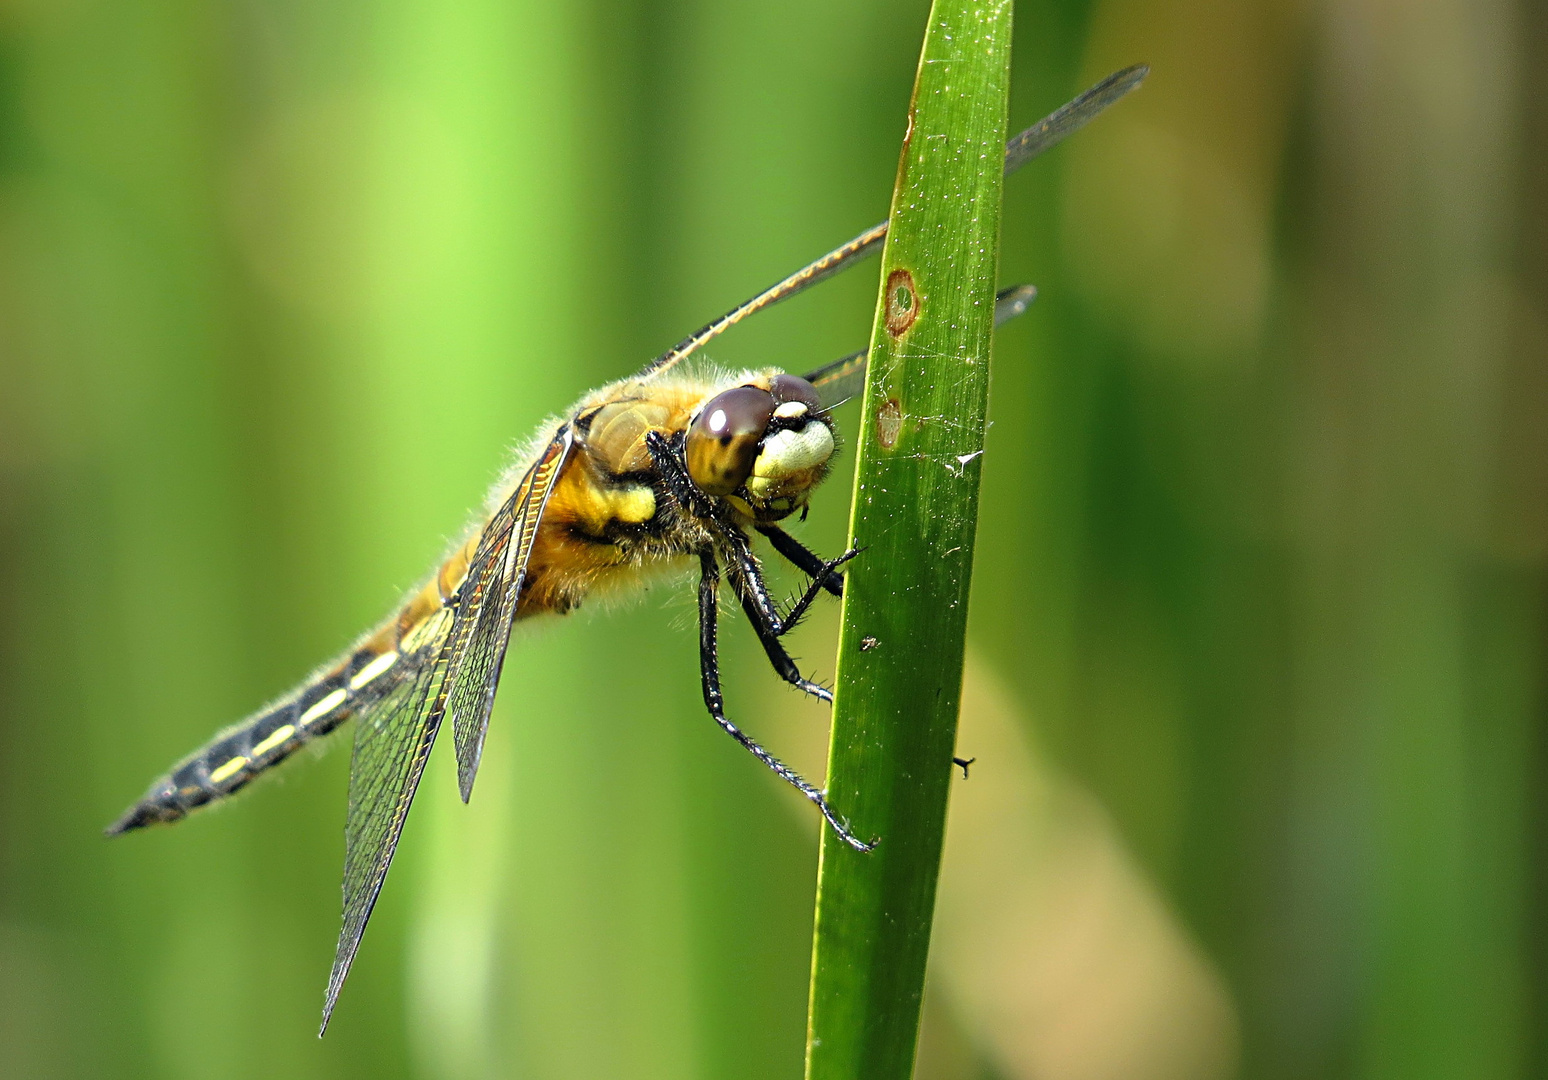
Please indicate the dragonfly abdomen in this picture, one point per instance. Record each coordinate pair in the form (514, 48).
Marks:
(228, 762)
(236, 756)
(233, 758)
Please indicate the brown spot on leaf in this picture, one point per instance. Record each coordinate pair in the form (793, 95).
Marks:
(902, 302)
(889, 422)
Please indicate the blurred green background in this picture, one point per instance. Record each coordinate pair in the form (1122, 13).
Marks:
(1259, 631)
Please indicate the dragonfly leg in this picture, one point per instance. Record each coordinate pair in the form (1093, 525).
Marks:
(807, 560)
(820, 580)
(781, 660)
(765, 620)
(822, 574)
(748, 579)
(709, 665)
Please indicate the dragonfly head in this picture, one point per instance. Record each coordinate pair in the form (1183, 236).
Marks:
(765, 445)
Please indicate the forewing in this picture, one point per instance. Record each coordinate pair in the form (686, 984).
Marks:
(488, 605)
(1066, 120)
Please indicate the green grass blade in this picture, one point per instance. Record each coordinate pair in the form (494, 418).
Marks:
(915, 508)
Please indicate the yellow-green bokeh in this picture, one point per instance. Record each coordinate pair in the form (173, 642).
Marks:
(1260, 571)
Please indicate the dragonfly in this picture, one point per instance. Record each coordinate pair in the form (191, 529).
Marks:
(659, 468)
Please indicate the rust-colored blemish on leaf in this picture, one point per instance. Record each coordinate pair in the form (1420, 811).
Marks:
(902, 302)
(889, 422)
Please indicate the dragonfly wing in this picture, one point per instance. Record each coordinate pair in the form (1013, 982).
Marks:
(1070, 118)
(393, 736)
(1043, 135)
(489, 596)
(456, 660)
(840, 380)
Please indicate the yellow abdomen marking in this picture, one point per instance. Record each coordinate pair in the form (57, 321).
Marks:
(277, 737)
(228, 770)
(373, 669)
(323, 707)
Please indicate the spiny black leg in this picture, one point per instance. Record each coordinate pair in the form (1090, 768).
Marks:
(670, 468)
(803, 557)
(963, 763)
(765, 622)
(819, 582)
(754, 594)
(746, 564)
(709, 666)
(748, 578)
(781, 660)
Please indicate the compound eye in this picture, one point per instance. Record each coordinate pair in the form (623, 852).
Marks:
(723, 440)
(791, 393)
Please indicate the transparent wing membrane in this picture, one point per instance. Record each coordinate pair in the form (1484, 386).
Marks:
(1012, 302)
(1043, 135)
(1068, 119)
(393, 737)
(456, 662)
(840, 258)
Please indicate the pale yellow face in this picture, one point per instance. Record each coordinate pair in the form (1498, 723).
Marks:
(792, 460)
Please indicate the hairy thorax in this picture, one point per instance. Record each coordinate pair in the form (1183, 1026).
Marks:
(603, 523)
